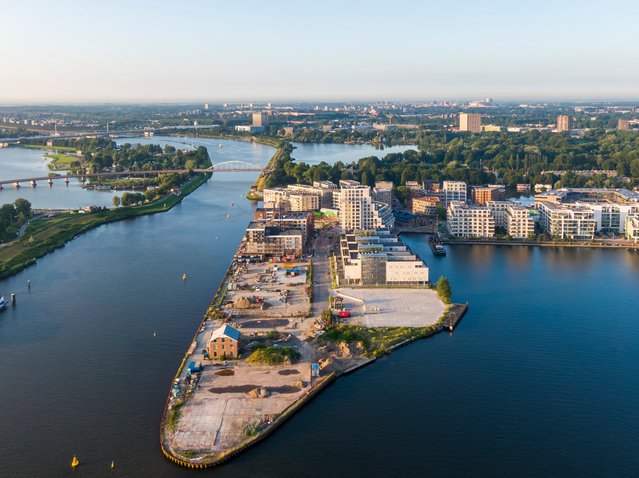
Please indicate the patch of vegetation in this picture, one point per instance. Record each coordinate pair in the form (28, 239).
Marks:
(376, 341)
(273, 356)
(173, 415)
(62, 162)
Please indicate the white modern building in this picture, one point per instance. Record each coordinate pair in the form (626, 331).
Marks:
(513, 218)
(358, 210)
(566, 221)
(464, 220)
(377, 257)
(632, 228)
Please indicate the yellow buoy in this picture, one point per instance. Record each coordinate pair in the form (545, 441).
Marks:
(183, 276)
(113, 464)
(74, 462)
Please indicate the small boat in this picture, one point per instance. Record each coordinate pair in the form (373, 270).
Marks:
(228, 215)
(74, 462)
(219, 145)
(436, 246)
(3, 303)
(183, 276)
(112, 464)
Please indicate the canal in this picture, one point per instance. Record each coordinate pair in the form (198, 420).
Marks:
(539, 379)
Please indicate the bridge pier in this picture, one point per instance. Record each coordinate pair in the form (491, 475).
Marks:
(66, 181)
(33, 183)
(50, 182)
(16, 185)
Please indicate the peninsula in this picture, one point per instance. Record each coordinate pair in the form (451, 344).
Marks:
(286, 322)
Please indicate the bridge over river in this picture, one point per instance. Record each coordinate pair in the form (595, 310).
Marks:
(224, 167)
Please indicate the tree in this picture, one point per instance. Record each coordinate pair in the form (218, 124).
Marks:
(23, 207)
(116, 201)
(443, 289)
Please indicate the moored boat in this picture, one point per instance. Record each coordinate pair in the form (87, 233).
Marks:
(436, 246)
(3, 303)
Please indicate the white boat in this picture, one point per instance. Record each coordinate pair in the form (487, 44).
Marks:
(3, 303)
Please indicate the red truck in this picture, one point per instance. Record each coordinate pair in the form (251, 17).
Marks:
(342, 314)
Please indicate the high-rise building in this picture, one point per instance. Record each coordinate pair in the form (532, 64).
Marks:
(260, 119)
(358, 210)
(623, 125)
(470, 122)
(563, 123)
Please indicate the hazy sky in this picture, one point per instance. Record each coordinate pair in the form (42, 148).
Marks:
(135, 50)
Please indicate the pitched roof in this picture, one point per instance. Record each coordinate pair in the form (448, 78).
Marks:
(226, 331)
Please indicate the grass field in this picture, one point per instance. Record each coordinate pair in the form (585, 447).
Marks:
(60, 161)
(50, 148)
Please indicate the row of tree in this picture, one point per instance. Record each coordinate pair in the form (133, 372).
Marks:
(485, 158)
(12, 217)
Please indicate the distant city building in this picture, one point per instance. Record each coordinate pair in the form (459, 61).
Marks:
(623, 125)
(465, 220)
(563, 123)
(482, 194)
(454, 191)
(249, 129)
(377, 257)
(524, 188)
(260, 119)
(492, 128)
(470, 122)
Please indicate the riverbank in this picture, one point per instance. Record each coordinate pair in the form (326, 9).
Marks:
(46, 235)
(603, 244)
(255, 193)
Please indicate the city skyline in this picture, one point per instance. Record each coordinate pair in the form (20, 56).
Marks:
(160, 52)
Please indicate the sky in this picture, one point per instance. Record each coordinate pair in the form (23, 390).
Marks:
(71, 51)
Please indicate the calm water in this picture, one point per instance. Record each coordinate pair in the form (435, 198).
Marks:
(17, 163)
(331, 153)
(539, 379)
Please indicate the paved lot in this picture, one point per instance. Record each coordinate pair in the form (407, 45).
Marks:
(396, 307)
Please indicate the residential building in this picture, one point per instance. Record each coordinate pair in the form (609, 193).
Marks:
(563, 123)
(358, 210)
(482, 194)
(470, 122)
(454, 191)
(464, 220)
(524, 188)
(513, 218)
(377, 257)
(610, 207)
(270, 240)
(249, 128)
(426, 205)
(224, 343)
(632, 228)
(384, 195)
(623, 125)
(564, 221)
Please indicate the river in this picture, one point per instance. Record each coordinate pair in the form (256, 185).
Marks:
(539, 379)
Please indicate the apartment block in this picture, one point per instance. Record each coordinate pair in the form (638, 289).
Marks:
(482, 194)
(464, 220)
(426, 205)
(564, 221)
(358, 210)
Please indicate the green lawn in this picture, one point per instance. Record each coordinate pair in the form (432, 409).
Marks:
(61, 161)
